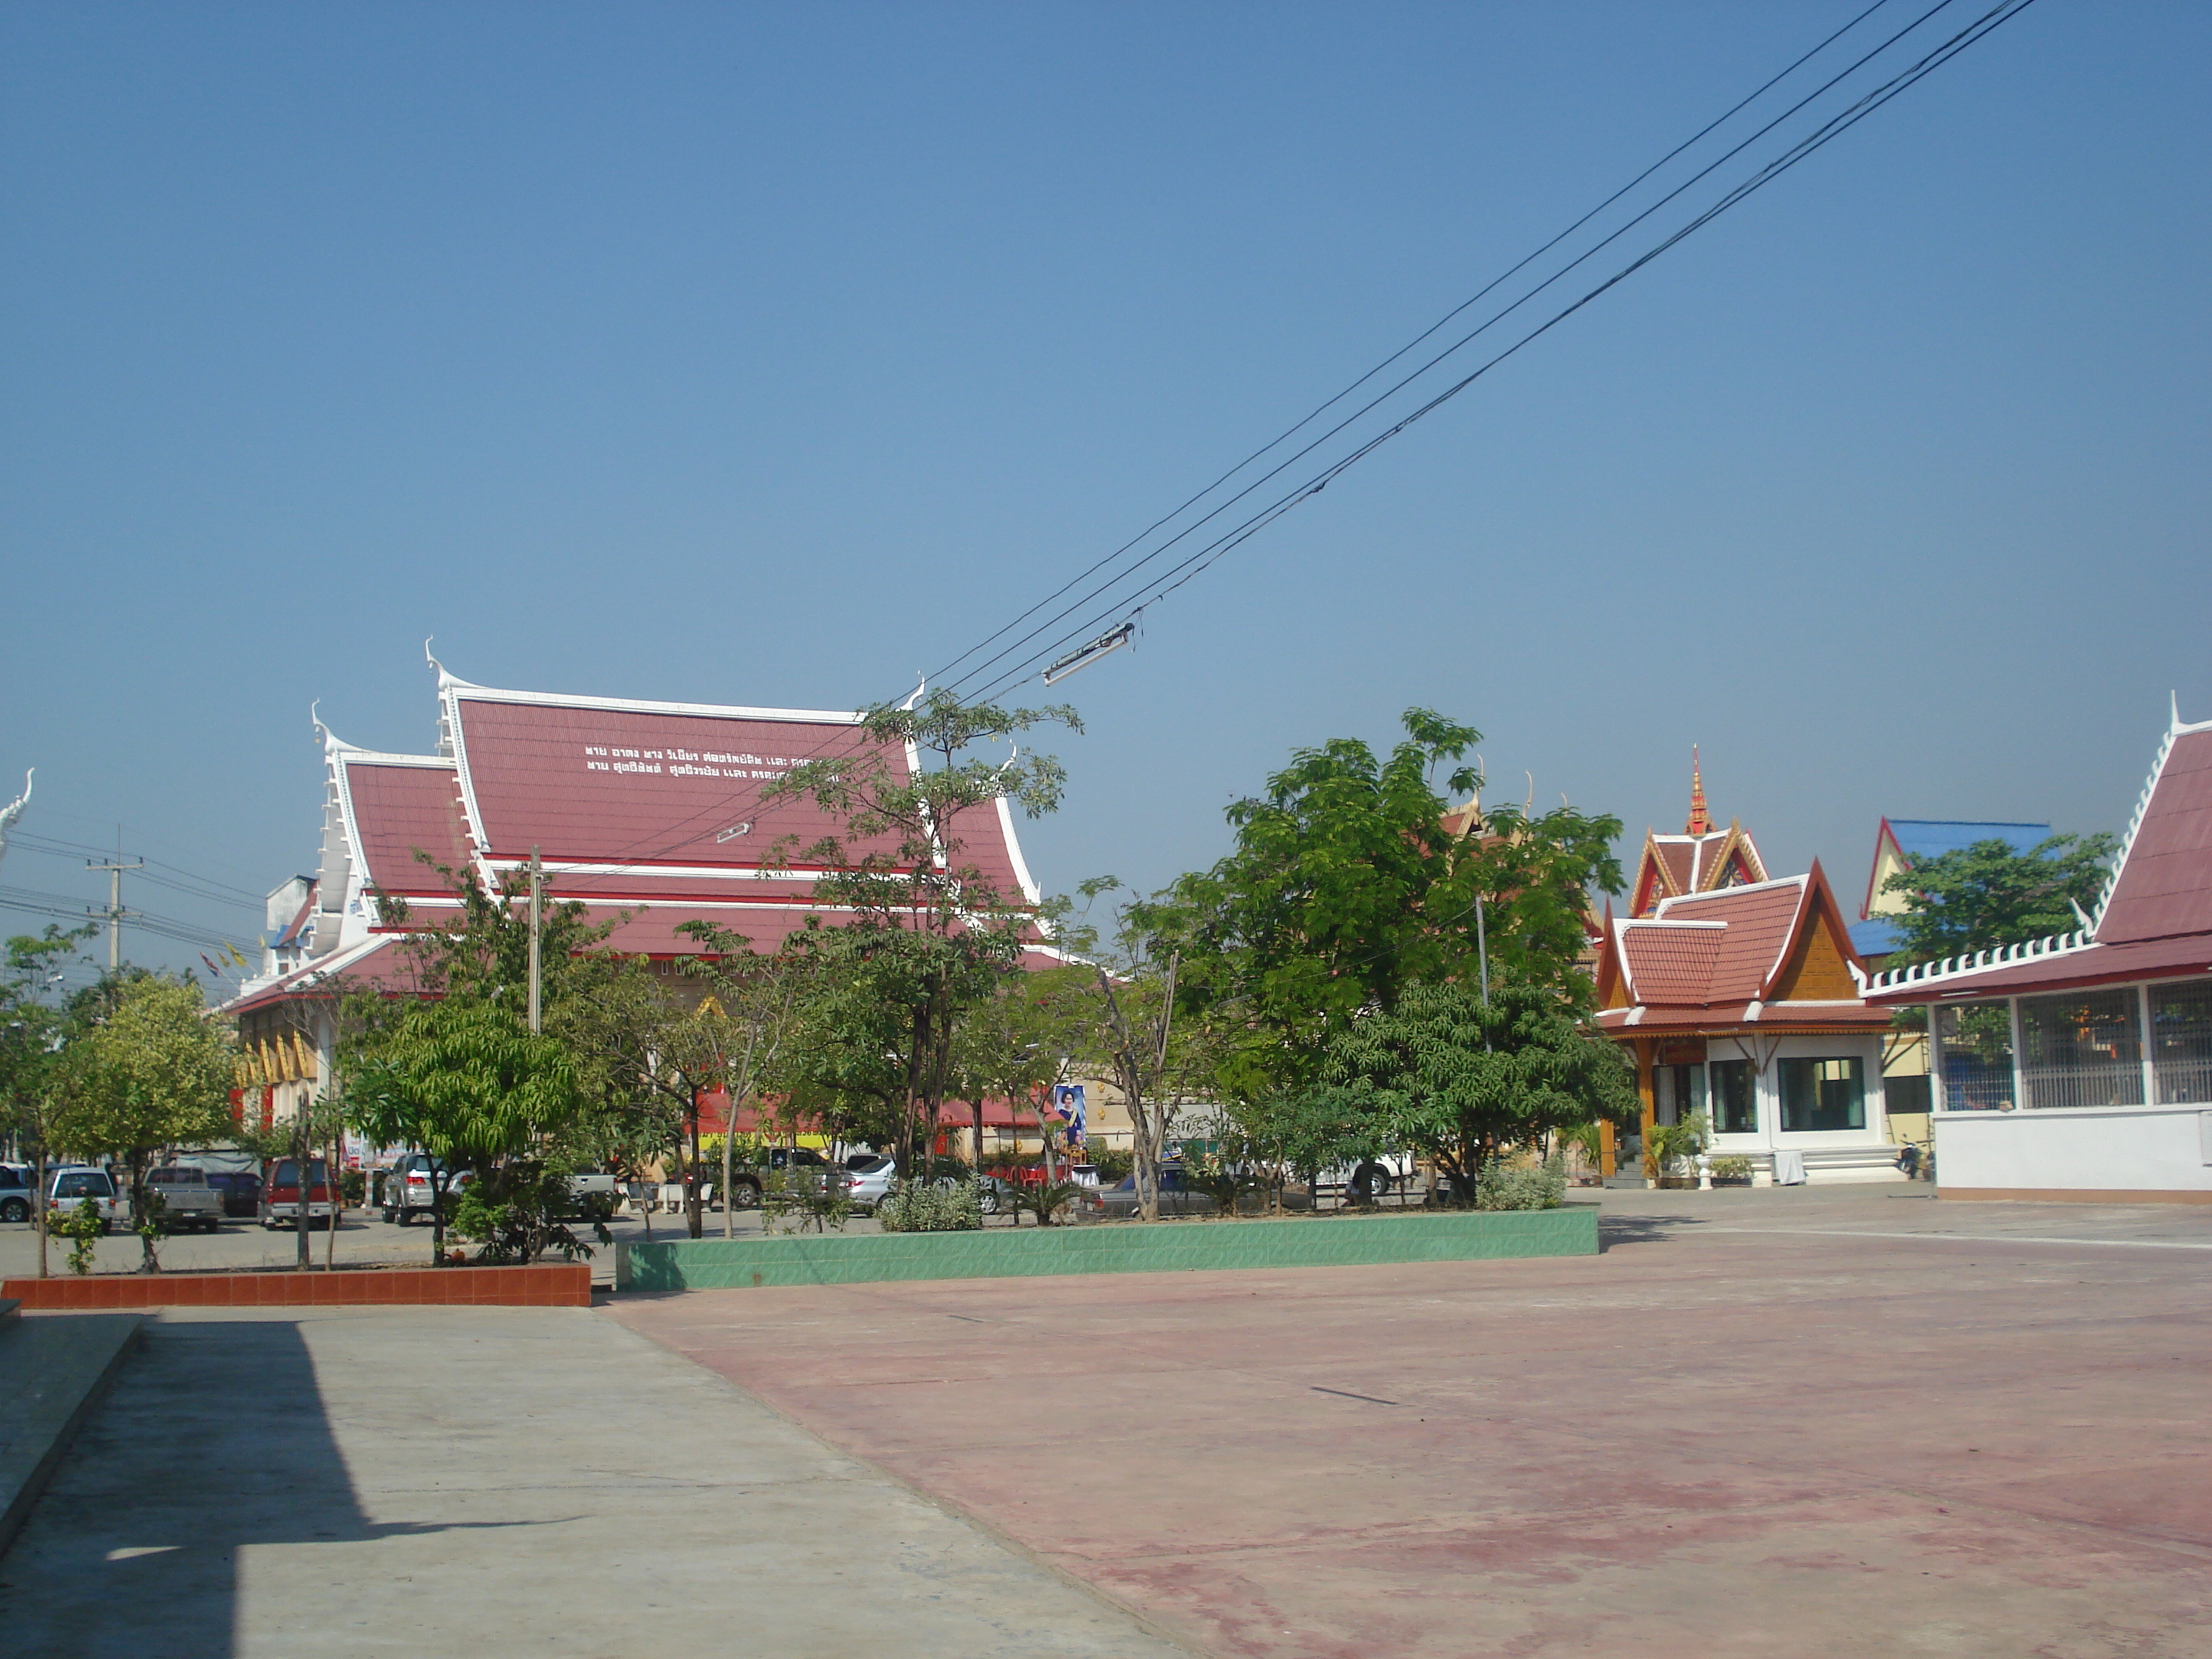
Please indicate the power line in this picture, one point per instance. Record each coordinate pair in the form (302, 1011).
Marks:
(738, 800)
(1457, 345)
(1176, 576)
(1475, 298)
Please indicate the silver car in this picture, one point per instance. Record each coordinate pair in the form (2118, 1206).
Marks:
(871, 1177)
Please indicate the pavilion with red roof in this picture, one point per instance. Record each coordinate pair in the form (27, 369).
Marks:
(1746, 1004)
(2080, 1067)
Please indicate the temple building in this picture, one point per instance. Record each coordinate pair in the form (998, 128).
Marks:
(650, 814)
(1701, 860)
(1740, 998)
(2080, 1067)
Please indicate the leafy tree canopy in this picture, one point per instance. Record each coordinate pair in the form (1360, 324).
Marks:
(1347, 885)
(466, 1081)
(1987, 895)
(933, 933)
(1447, 1076)
(152, 1073)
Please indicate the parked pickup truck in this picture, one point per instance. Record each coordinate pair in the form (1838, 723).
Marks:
(596, 1193)
(189, 1202)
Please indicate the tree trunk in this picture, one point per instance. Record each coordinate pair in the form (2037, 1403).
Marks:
(729, 1169)
(695, 1209)
(149, 1262)
(441, 1179)
(38, 1203)
(337, 1202)
(303, 1187)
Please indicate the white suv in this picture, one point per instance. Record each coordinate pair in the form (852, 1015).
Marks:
(73, 1185)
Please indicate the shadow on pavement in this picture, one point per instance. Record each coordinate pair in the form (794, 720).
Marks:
(1613, 1229)
(213, 1438)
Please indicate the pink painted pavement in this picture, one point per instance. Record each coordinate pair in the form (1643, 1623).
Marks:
(1755, 1426)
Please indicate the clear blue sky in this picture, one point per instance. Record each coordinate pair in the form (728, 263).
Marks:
(770, 353)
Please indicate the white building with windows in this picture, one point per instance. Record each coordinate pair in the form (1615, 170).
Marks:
(2080, 1067)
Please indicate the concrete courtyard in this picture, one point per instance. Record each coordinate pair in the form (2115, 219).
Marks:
(1798, 1423)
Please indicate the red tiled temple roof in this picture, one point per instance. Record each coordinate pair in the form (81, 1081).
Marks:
(400, 808)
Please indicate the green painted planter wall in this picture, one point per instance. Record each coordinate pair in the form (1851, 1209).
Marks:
(719, 1264)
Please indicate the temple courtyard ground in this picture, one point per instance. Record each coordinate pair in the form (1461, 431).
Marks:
(1794, 1422)
(1791, 1422)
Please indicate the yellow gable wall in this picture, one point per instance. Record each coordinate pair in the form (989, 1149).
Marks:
(1816, 972)
(1886, 865)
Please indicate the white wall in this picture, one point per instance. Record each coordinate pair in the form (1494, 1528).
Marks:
(2098, 1149)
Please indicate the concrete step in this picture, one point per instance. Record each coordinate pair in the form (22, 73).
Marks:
(53, 1369)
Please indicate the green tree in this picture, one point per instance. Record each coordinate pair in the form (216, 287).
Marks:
(154, 1073)
(1462, 1078)
(1986, 895)
(35, 1023)
(1027, 1034)
(469, 1083)
(1347, 884)
(933, 931)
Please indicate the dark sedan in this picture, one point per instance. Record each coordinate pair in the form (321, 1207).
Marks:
(241, 1190)
(1176, 1199)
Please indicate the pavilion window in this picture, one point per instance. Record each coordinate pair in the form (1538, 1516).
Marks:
(1735, 1097)
(2181, 1042)
(2081, 1049)
(1976, 1041)
(1678, 1093)
(1820, 1095)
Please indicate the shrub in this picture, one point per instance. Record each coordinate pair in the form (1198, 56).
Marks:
(1115, 1164)
(1732, 1168)
(805, 1199)
(1522, 1186)
(931, 1206)
(82, 1228)
(513, 1213)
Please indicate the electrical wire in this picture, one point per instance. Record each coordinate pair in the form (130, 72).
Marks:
(1474, 299)
(1178, 574)
(738, 802)
(1467, 338)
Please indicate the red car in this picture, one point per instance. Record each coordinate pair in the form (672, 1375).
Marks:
(280, 1194)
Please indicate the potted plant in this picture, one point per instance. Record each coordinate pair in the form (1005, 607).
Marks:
(1666, 1146)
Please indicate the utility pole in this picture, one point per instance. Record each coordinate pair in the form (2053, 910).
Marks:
(115, 899)
(537, 911)
(1482, 949)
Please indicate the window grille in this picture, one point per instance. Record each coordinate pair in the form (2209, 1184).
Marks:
(2181, 1042)
(2081, 1049)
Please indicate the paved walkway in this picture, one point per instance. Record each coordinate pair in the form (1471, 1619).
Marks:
(482, 1483)
(1794, 1422)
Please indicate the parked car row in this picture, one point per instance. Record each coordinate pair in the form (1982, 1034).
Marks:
(193, 1200)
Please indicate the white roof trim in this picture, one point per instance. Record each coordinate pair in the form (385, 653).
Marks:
(450, 686)
(309, 975)
(1030, 891)
(351, 756)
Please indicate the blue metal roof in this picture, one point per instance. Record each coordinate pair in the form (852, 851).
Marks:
(1876, 936)
(1928, 838)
